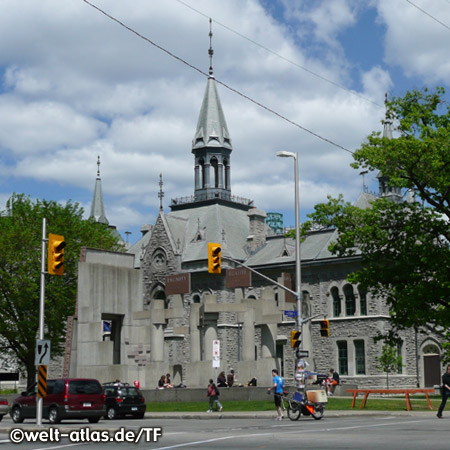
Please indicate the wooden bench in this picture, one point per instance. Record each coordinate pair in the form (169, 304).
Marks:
(407, 393)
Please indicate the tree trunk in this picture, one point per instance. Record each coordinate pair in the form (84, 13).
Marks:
(31, 373)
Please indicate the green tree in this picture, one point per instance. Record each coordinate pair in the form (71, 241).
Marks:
(20, 269)
(404, 246)
(389, 361)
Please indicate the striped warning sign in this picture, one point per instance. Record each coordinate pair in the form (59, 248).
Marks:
(42, 381)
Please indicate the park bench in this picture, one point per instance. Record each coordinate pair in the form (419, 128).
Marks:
(407, 393)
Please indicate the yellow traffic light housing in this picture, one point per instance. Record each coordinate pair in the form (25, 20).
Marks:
(325, 328)
(55, 254)
(295, 339)
(214, 258)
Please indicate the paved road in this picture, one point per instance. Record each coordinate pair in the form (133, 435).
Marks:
(337, 430)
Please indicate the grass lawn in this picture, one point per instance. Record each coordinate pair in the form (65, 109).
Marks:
(419, 403)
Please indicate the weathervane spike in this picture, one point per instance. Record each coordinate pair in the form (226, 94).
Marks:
(210, 51)
(161, 192)
(98, 166)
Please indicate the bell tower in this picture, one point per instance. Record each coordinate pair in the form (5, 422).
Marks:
(211, 145)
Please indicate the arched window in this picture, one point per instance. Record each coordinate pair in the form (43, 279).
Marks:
(350, 301)
(201, 163)
(227, 173)
(215, 166)
(336, 301)
(362, 301)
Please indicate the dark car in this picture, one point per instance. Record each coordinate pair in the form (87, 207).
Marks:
(67, 398)
(122, 399)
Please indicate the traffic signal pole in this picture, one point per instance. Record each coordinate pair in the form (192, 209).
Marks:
(41, 313)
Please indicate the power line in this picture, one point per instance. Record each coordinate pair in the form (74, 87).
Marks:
(340, 86)
(329, 141)
(428, 14)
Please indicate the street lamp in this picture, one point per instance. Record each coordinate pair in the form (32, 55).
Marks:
(298, 280)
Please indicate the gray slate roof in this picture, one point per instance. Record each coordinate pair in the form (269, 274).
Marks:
(212, 130)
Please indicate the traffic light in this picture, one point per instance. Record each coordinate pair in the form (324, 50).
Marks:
(325, 327)
(214, 258)
(55, 254)
(295, 339)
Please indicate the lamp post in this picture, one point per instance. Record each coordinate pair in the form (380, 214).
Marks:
(298, 280)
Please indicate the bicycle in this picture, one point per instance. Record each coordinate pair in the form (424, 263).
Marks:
(297, 404)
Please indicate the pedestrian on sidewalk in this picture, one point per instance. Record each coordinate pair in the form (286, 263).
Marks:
(278, 387)
(213, 394)
(445, 391)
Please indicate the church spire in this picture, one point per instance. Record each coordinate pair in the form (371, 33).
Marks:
(385, 189)
(212, 144)
(97, 207)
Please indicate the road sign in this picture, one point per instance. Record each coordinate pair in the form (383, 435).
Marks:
(216, 353)
(42, 381)
(302, 353)
(42, 352)
(290, 313)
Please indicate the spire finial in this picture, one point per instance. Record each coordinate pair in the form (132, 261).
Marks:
(98, 166)
(161, 192)
(210, 51)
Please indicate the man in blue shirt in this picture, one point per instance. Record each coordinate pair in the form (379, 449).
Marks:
(278, 386)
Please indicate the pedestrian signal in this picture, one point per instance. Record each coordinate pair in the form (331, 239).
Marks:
(214, 258)
(55, 254)
(295, 338)
(325, 327)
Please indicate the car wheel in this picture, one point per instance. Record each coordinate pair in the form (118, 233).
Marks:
(53, 415)
(139, 416)
(1, 417)
(111, 413)
(93, 419)
(17, 415)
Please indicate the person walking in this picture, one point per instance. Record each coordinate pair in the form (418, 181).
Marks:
(278, 387)
(445, 391)
(213, 394)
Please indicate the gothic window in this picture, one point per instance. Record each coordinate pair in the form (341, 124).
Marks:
(159, 260)
(336, 301)
(342, 357)
(215, 166)
(350, 301)
(227, 174)
(360, 358)
(362, 301)
(195, 298)
(201, 163)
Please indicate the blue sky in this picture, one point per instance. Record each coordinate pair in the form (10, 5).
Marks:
(75, 85)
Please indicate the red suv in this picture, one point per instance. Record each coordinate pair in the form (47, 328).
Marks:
(67, 398)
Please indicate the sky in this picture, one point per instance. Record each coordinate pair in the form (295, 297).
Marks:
(75, 85)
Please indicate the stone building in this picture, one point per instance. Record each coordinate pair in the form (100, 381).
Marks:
(153, 331)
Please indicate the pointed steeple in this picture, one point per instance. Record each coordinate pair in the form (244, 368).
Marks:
(384, 188)
(212, 149)
(212, 144)
(98, 208)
